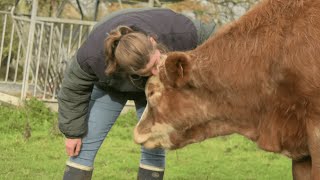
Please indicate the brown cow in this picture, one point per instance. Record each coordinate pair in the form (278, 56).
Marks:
(258, 76)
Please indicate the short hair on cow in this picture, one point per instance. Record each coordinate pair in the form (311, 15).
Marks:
(258, 76)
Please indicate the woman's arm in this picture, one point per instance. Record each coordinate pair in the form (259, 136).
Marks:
(73, 99)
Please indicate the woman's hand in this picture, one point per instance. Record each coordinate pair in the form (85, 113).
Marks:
(73, 146)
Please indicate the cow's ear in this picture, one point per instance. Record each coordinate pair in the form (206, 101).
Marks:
(178, 68)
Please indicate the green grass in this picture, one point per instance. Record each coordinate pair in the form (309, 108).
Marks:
(42, 156)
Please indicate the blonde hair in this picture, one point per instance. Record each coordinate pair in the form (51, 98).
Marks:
(127, 50)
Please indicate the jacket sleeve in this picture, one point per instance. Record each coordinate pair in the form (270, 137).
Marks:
(73, 100)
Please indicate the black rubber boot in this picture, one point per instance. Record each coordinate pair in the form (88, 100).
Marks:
(72, 173)
(145, 174)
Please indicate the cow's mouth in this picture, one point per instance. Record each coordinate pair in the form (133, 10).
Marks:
(150, 142)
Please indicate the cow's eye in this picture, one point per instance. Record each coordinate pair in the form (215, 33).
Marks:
(153, 98)
(151, 93)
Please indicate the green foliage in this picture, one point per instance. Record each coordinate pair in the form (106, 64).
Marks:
(45, 7)
(48, 7)
(10, 119)
(128, 119)
(38, 113)
(5, 4)
(34, 113)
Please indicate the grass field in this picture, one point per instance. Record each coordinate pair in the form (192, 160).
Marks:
(42, 156)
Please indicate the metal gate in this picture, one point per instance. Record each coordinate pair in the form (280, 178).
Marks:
(34, 51)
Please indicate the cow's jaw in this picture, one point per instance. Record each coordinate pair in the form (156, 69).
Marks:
(158, 136)
(140, 138)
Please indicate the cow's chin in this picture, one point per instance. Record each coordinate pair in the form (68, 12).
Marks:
(158, 137)
(152, 144)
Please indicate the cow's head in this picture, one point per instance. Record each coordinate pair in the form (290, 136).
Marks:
(176, 110)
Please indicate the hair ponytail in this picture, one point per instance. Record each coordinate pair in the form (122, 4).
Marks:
(110, 45)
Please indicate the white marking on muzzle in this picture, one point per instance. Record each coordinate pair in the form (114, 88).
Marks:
(160, 136)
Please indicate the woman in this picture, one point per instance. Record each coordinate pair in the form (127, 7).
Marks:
(111, 68)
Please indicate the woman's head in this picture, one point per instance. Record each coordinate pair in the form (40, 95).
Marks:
(130, 51)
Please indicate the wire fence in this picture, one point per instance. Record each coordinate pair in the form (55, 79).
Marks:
(34, 52)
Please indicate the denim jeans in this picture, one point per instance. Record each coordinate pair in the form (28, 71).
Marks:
(105, 107)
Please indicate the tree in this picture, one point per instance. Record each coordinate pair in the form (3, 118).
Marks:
(6, 4)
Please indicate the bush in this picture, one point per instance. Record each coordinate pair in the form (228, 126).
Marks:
(34, 114)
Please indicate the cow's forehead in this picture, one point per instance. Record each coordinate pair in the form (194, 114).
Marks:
(153, 79)
(154, 83)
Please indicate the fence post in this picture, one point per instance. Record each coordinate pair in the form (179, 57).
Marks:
(26, 69)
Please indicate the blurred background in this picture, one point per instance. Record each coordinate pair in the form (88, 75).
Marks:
(221, 10)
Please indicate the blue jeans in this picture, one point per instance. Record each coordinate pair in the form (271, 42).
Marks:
(105, 107)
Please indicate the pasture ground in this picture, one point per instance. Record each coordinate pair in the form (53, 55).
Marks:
(42, 156)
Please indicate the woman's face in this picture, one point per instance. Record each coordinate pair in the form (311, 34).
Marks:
(155, 59)
(153, 62)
